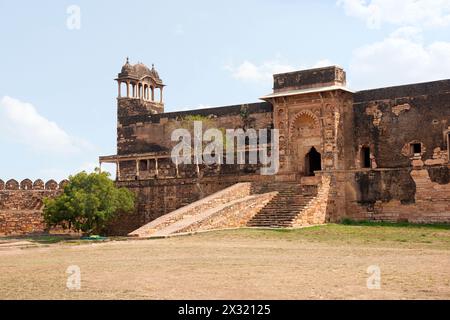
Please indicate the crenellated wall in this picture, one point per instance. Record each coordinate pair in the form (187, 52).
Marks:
(21, 205)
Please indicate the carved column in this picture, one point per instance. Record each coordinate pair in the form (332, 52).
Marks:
(137, 168)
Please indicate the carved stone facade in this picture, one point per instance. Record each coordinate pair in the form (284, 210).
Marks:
(312, 122)
(380, 154)
(366, 145)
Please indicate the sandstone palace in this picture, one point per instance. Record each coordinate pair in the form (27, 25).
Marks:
(379, 154)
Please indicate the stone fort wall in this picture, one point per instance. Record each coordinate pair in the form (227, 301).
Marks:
(407, 131)
(21, 205)
(415, 195)
(152, 133)
(404, 131)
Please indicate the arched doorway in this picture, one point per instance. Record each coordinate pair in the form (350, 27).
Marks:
(313, 162)
(304, 134)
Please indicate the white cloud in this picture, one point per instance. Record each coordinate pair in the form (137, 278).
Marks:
(252, 73)
(401, 58)
(21, 122)
(424, 13)
(179, 30)
(409, 33)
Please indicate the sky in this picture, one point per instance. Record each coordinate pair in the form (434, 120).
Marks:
(58, 61)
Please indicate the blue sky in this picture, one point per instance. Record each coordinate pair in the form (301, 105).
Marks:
(57, 94)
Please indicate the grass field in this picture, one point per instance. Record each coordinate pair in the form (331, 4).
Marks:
(325, 262)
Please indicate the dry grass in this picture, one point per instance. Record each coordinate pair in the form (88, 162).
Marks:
(327, 262)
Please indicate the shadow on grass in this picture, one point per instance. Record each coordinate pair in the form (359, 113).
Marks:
(43, 238)
(62, 238)
(440, 226)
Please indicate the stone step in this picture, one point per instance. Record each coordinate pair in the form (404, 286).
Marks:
(277, 219)
(271, 225)
(285, 207)
(256, 223)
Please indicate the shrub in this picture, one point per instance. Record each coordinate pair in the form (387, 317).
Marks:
(88, 203)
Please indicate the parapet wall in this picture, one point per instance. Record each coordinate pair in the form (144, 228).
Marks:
(27, 184)
(21, 205)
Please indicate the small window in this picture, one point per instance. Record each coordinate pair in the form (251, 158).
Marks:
(365, 157)
(143, 165)
(416, 148)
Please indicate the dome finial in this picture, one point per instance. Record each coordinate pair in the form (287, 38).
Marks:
(128, 60)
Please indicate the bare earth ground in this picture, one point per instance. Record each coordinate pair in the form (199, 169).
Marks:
(326, 262)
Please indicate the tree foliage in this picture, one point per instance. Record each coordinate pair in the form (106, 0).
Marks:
(88, 203)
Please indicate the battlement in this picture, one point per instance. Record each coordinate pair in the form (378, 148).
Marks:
(21, 205)
(27, 184)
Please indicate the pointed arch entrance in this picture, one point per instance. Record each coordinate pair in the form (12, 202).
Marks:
(305, 139)
(313, 162)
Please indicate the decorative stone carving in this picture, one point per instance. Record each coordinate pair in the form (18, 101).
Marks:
(304, 120)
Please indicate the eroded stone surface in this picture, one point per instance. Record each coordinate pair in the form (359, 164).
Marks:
(400, 108)
(323, 128)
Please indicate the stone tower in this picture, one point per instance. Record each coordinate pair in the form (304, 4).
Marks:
(140, 96)
(140, 91)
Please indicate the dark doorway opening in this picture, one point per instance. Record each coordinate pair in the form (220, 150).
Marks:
(365, 157)
(313, 162)
(416, 148)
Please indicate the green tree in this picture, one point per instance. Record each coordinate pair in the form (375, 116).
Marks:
(88, 203)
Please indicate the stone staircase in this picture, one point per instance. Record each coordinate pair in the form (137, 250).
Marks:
(285, 208)
(229, 208)
(257, 204)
